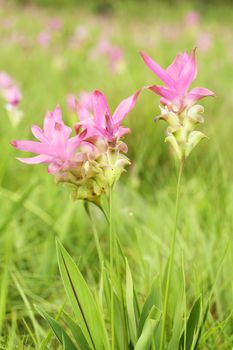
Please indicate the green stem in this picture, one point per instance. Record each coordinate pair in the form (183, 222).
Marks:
(111, 248)
(171, 259)
(95, 233)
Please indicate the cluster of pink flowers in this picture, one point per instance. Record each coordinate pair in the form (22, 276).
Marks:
(114, 54)
(92, 160)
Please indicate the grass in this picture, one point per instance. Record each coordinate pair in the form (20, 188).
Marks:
(34, 210)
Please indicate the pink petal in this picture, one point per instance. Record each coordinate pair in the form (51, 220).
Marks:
(169, 94)
(125, 107)
(188, 72)
(100, 108)
(175, 67)
(123, 131)
(197, 94)
(73, 145)
(32, 146)
(83, 113)
(38, 133)
(57, 114)
(35, 160)
(161, 73)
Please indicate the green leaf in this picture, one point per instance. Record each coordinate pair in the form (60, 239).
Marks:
(88, 315)
(119, 322)
(60, 333)
(146, 338)
(77, 333)
(192, 325)
(17, 205)
(153, 299)
(130, 305)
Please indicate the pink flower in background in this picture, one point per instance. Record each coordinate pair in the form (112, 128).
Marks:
(9, 91)
(177, 79)
(79, 37)
(55, 146)
(12, 96)
(71, 102)
(5, 80)
(114, 54)
(44, 39)
(192, 18)
(83, 99)
(204, 42)
(55, 24)
(101, 123)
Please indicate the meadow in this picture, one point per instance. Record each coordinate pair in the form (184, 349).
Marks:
(52, 52)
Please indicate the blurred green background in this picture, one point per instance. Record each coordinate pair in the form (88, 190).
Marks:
(55, 48)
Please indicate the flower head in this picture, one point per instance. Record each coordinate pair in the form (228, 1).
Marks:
(99, 122)
(5, 80)
(90, 162)
(177, 79)
(12, 95)
(83, 99)
(178, 106)
(54, 146)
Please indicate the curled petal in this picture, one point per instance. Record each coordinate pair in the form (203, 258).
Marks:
(125, 107)
(35, 160)
(100, 108)
(168, 94)
(32, 146)
(197, 94)
(38, 133)
(188, 72)
(161, 73)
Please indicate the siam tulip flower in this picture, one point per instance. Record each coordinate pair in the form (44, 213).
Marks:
(83, 99)
(44, 39)
(177, 79)
(106, 131)
(12, 96)
(100, 122)
(92, 160)
(192, 18)
(114, 55)
(5, 80)
(79, 37)
(55, 24)
(204, 42)
(55, 147)
(178, 106)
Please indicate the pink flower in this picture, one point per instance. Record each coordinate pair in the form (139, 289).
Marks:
(5, 80)
(44, 39)
(55, 147)
(100, 122)
(192, 18)
(9, 91)
(204, 42)
(12, 95)
(114, 54)
(83, 99)
(177, 79)
(55, 24)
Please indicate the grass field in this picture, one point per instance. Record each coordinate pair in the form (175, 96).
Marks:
(48, 63)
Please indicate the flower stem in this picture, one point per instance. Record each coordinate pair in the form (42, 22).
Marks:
(171, 259)
(111, 248)
(95, 234)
